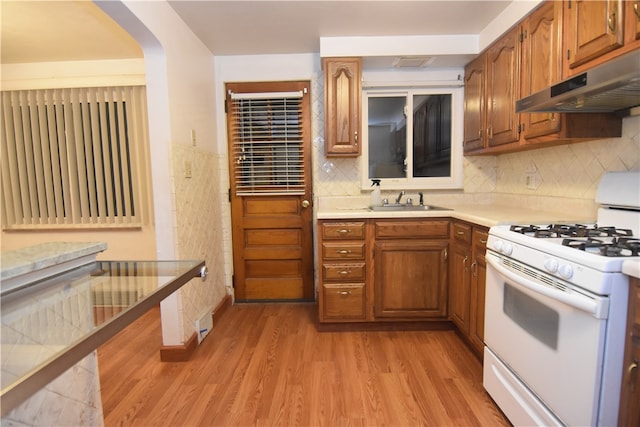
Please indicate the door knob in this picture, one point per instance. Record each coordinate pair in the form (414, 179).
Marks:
(305, 203)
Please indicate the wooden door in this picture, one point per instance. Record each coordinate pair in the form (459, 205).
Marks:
(541, 38)
(342, 103)
(594, 28)
(503, 90)
(474, 104)
(269, 130)
(410, 279)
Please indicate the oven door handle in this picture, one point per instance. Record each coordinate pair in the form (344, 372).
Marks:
(594, 307)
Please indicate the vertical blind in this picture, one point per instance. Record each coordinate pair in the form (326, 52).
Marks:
(267, 143)
(73, 156)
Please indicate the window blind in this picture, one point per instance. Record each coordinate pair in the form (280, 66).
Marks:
(267, 143)
(73, 157)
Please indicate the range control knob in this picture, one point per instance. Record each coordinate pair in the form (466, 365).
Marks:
(565, 271)
(507, 248)
(551, 265)
(497, 245)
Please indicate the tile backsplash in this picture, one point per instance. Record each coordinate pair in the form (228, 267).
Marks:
(572, 170)
(567, 171)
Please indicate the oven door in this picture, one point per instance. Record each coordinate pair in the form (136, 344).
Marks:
(550, 336)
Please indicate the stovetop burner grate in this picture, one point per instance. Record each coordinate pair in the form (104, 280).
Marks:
(618, 247)
(570, 230)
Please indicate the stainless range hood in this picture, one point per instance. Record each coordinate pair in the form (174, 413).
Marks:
(609, 87)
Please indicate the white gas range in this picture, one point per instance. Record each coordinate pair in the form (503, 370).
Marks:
(555, 312)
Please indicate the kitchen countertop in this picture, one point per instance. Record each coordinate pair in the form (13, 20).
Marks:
(631, 268)
(487, 213)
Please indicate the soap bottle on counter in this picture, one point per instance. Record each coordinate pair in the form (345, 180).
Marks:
(375, 193)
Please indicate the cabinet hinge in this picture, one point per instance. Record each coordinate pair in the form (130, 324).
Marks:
(233, 281)
(568, 53)
(520, 128)
(569, 4)
(229, 194)
(226, 108)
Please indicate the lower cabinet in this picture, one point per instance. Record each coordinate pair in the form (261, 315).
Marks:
(385, 270)
(630, 396)
(410, 279)
(467, 269)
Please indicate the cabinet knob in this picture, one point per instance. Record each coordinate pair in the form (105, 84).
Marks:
(345, 272)
(343, 231)
(345, 293)
(344, 252)
(305, 203)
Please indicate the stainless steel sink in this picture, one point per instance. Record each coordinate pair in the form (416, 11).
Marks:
(407, 208)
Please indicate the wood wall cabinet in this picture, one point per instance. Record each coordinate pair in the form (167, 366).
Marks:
(520, 71)
(342, 104)
(342, 294)
(632, 20)
(467, 282)
(597, 31)
(630, 398)
(593, 28)
(492, 87)
(410, 258)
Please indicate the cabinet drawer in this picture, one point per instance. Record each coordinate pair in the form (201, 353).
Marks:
(462, 233)
(343, 230)
(412, 229)
(353, 271)
(343, 301)
(343, 250)
(480, 238)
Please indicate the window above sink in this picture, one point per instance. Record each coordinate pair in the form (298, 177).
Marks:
(413, 138)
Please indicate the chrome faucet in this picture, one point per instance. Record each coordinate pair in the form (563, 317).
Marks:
(399, 197)
(421, 199)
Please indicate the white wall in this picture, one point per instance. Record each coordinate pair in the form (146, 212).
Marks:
(180, 85)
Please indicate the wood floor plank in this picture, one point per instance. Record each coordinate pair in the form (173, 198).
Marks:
(267, 364)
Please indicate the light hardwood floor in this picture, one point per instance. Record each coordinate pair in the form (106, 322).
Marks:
(266, 364)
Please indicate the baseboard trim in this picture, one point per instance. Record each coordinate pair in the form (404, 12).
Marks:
(179, 353)
(221, 308)
(182, 353)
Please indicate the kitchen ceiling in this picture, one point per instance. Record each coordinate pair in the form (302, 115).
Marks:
(36, 31)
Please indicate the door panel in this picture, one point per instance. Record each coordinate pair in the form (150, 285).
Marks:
(272, 231)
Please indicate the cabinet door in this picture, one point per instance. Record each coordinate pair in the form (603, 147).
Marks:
(630, 393)
(541, 37)
(632, 17)
(342, 105)
(503, 90)
(459, 281)
(593, 28)
(474, 104)
(410, 279)
(477, 291)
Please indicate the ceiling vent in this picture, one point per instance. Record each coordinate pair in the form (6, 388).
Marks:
(413, 61)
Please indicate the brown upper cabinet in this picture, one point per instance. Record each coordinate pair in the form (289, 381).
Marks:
(342, 104)
(597, 31)
(491, 91)
(593, 28)
(505, 72)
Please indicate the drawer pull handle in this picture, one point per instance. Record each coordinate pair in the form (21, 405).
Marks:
(460, 233)
(344, 252)
(484, 242)
(635, 9)
(345, 272)
(345, 293)
(344, 231)
(612, 22)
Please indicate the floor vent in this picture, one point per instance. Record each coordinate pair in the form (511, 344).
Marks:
(203, 325)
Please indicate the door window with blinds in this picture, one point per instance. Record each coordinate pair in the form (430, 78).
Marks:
(74, 157)
(267, 142)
